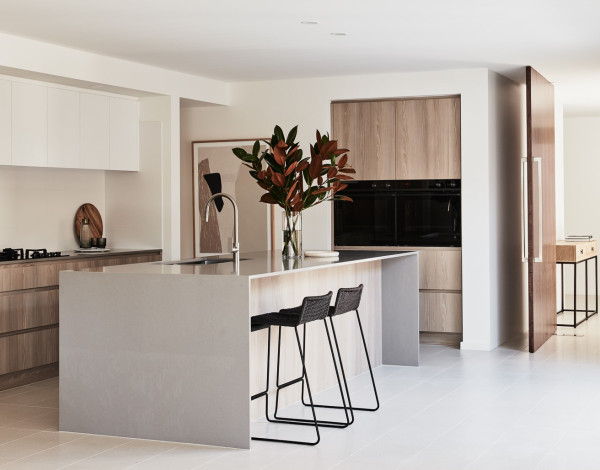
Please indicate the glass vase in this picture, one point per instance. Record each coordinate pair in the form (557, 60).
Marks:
(292, 234)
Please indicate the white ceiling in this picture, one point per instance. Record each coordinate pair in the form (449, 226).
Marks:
(239, 40)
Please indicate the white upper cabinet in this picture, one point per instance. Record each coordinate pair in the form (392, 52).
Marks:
(94, 131)
(124, 134)
(29, 125)
(5, 122)
(63, 128)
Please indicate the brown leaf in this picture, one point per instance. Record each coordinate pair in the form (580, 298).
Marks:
(342, 187)
(302, 166)
(320, 180)
(291, 191)
(314, 169)
(342, 161)
(268, 198)
(347, 170)
(263, 185)
(278, 179)
(318, 137)
(344, 198)
(331, 172)
(298, 206)
(291, 168)
(323, 190)
(343, 177)
(279, 154)
(339, 152)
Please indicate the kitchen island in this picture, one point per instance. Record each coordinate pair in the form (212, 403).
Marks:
(163, 350)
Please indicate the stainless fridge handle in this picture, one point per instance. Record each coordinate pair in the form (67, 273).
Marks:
(538, 160)
(524, 224)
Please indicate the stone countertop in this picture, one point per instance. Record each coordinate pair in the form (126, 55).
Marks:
(253, 265)
(74, 255)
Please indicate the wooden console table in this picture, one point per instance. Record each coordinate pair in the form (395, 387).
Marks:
(573, 253)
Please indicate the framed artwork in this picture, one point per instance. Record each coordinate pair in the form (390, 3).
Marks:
(217, 169)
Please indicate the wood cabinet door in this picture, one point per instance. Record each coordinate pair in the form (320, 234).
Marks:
(428, 138)
(367, 129)
(541, 224)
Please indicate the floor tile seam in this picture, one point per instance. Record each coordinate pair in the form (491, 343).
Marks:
(39, 452)
(472, 413)
(174, 446)
(93, 455)
(18, 438)
(30, 406)
(392, 429)
(23, 392)
(33, 417)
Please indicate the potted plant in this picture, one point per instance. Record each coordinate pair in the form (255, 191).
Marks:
(295, 182)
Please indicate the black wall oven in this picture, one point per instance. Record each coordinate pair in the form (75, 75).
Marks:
(398, 213)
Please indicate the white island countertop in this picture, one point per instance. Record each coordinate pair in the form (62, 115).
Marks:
(164, 350)
(252, 265)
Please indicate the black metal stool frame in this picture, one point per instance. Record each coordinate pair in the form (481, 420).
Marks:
(342, 305)
(311, 307)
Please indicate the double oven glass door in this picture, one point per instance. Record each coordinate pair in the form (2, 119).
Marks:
(399, 213)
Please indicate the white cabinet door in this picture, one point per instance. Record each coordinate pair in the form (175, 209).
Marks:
(5, 122)
(124, 134)
(94, 131)
(29, 125)
(63, 128)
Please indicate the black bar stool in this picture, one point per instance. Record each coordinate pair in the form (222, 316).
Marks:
(312, 309)
(348, 300)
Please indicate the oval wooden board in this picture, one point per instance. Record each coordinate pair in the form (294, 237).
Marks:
(89, 211)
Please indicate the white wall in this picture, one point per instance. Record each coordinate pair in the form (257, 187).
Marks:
(257, 106)
(582, 191)
(37, 205)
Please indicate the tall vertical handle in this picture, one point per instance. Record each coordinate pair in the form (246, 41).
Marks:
(538, 259)
(524, 225)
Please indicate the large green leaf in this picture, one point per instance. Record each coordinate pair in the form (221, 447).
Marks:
(279, 134)
(256, 148)
(292, 135)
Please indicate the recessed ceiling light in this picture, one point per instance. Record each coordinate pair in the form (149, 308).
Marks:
(309, 22)
(339, 34)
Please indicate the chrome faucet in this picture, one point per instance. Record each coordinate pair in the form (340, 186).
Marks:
(235, 249)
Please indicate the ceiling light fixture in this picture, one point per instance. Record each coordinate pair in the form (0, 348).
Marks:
(339, 34)
(309, 22)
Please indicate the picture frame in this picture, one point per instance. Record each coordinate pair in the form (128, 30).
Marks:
(228, 175)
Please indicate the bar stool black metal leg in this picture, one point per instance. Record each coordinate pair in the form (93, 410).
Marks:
(304, 377)
(352, 407)
(323, 423)
(586, 290)
(575, 296)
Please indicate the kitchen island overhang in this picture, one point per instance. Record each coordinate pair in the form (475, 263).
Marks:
(163, 351)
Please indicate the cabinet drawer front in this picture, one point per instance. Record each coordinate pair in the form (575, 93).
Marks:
(24, 351)
(440, 312)
(28, 276)
(440, 269)
(22, 310)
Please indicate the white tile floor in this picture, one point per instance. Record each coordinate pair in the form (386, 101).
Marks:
(504, 409)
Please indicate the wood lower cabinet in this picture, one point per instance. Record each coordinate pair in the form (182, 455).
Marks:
(440, 290)
(29, 314)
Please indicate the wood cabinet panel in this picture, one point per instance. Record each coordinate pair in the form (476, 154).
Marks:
(440, 269)
(27, 350)
(367, 129)
(440, 312)
(428, 138)
(29, 309)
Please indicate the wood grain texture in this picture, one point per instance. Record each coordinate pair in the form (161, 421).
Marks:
(273, 293)
(572, 252)
(35, 374)
(27, 350)
(28, 309)
(90, 212)
(367, 129)
(428, 138)
(440, 312)
(540, 144)
(440, 269)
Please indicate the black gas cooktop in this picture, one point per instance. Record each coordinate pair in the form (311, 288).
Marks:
(14, 254)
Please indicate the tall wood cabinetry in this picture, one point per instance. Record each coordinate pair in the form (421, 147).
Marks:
(410, 139)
